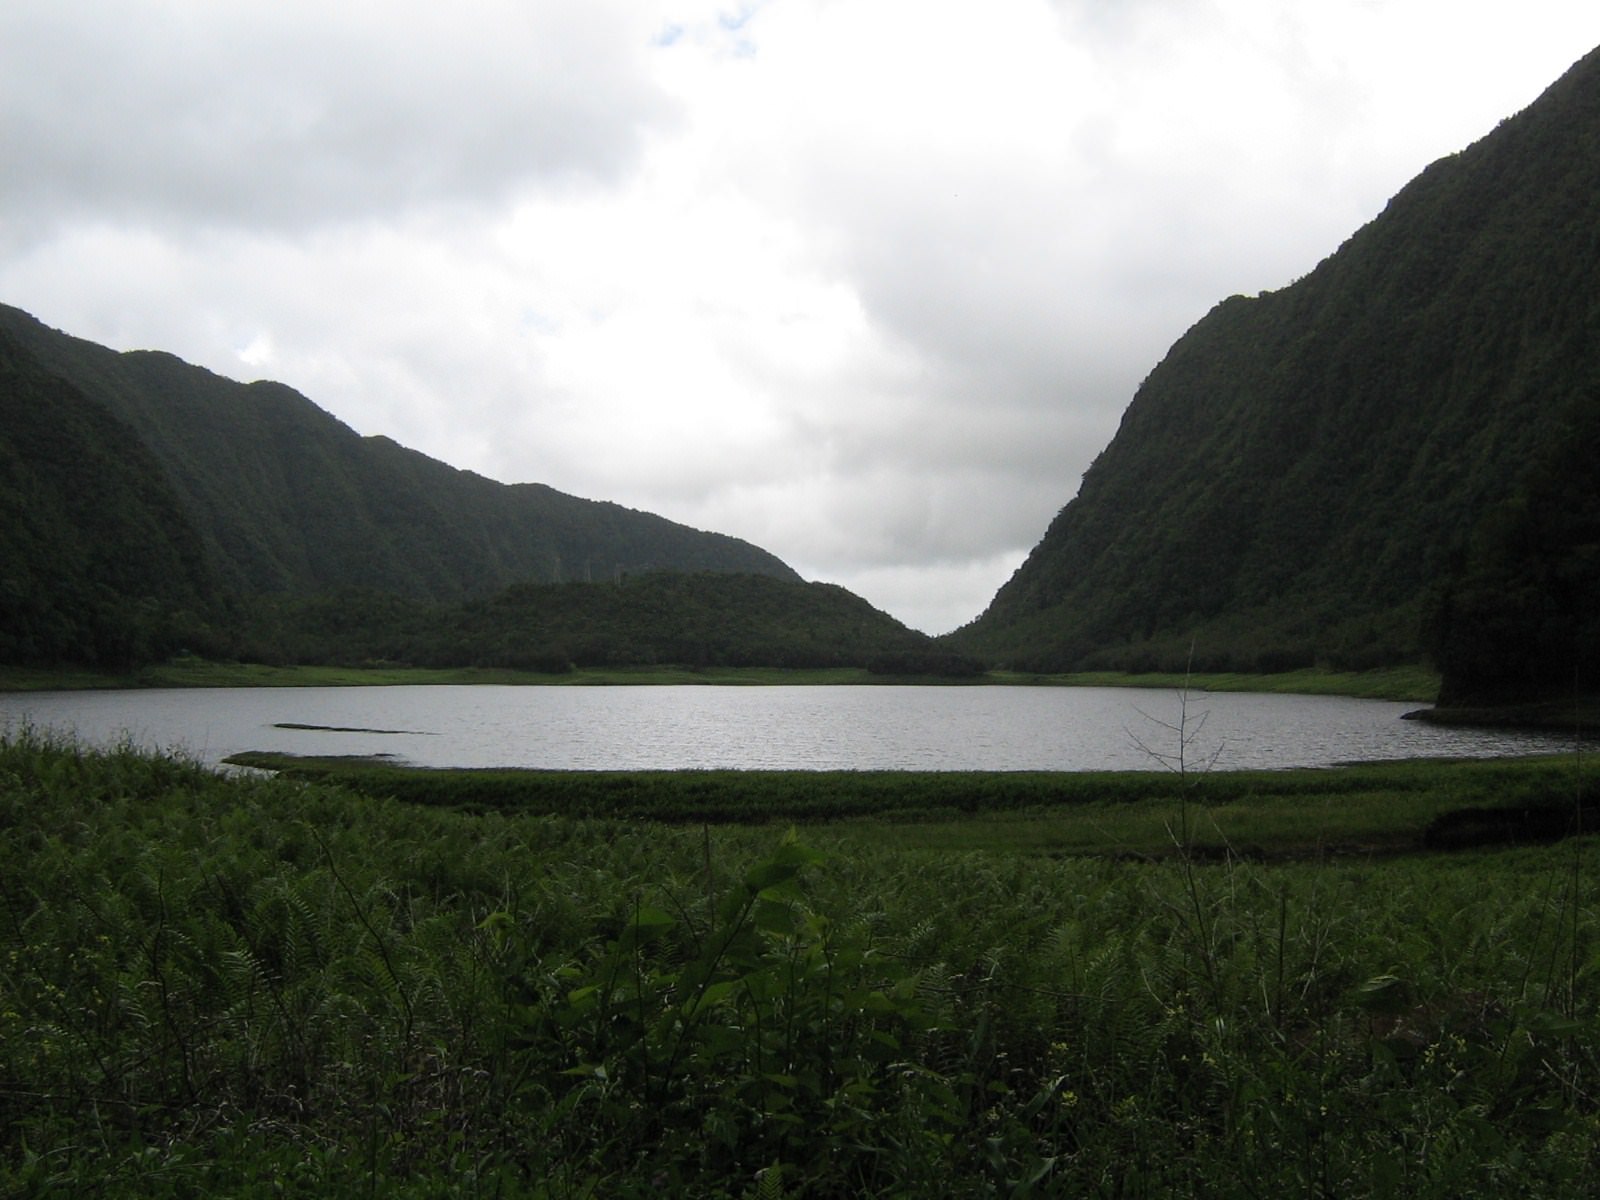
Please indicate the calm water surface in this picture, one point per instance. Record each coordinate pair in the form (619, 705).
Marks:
(811, 727)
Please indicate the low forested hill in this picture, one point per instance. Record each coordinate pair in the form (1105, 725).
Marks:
(1393, 456)
(660, 617)
(287, 499)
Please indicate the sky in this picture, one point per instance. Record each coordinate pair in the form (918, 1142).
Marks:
(868, 283)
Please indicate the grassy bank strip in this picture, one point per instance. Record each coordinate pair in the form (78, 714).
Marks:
(1391, 683)
(1401, 683)
(259, 986)
(195, 672)
(35, 679)
(1261, 813)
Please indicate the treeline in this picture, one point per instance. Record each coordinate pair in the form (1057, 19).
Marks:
(696, 620)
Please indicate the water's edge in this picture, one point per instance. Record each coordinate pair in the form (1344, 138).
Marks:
(811, 727)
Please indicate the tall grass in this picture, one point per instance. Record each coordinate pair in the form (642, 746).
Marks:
(1379, 806)
(255, 986)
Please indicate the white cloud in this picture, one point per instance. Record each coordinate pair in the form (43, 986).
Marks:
(869, 284)
(293, 115)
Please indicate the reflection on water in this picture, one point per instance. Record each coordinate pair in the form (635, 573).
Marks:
(818, 728)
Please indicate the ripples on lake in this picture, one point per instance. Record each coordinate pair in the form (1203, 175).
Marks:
(879, 727)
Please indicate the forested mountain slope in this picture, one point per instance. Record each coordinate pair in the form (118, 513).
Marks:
(97, 560)
(288, 499)
(148, 506)
(1329, 472)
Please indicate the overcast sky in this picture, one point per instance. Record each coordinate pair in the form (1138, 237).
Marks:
(865, 282)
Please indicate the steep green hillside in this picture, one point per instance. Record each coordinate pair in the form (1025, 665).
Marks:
(147, 505)
(1300, 479)
(98, 564)
(288, 499)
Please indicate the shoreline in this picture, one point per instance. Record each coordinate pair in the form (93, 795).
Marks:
(1580, 716)
(1400, 683)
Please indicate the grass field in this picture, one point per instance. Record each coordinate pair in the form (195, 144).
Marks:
(1232, 985)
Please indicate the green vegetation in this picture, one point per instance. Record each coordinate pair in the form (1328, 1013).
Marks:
(659, 617)
(1522, 610)
(289, 501)
(250, 986)
(1393, 456)
(149, 507)
(197, 672)
(34, 679)
(98, 564)
(1383, 806)
(1384, 683)
(186, 671)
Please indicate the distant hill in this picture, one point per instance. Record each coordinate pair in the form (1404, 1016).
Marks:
(286, 498)
(660, 617)
(147, 505)
(1393, 457)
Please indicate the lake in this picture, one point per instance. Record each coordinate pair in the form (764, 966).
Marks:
(880, 727)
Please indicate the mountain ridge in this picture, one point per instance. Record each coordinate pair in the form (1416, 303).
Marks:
(289, 498)
(1297, 480)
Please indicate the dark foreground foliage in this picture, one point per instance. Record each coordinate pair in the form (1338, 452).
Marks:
(266, 986)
